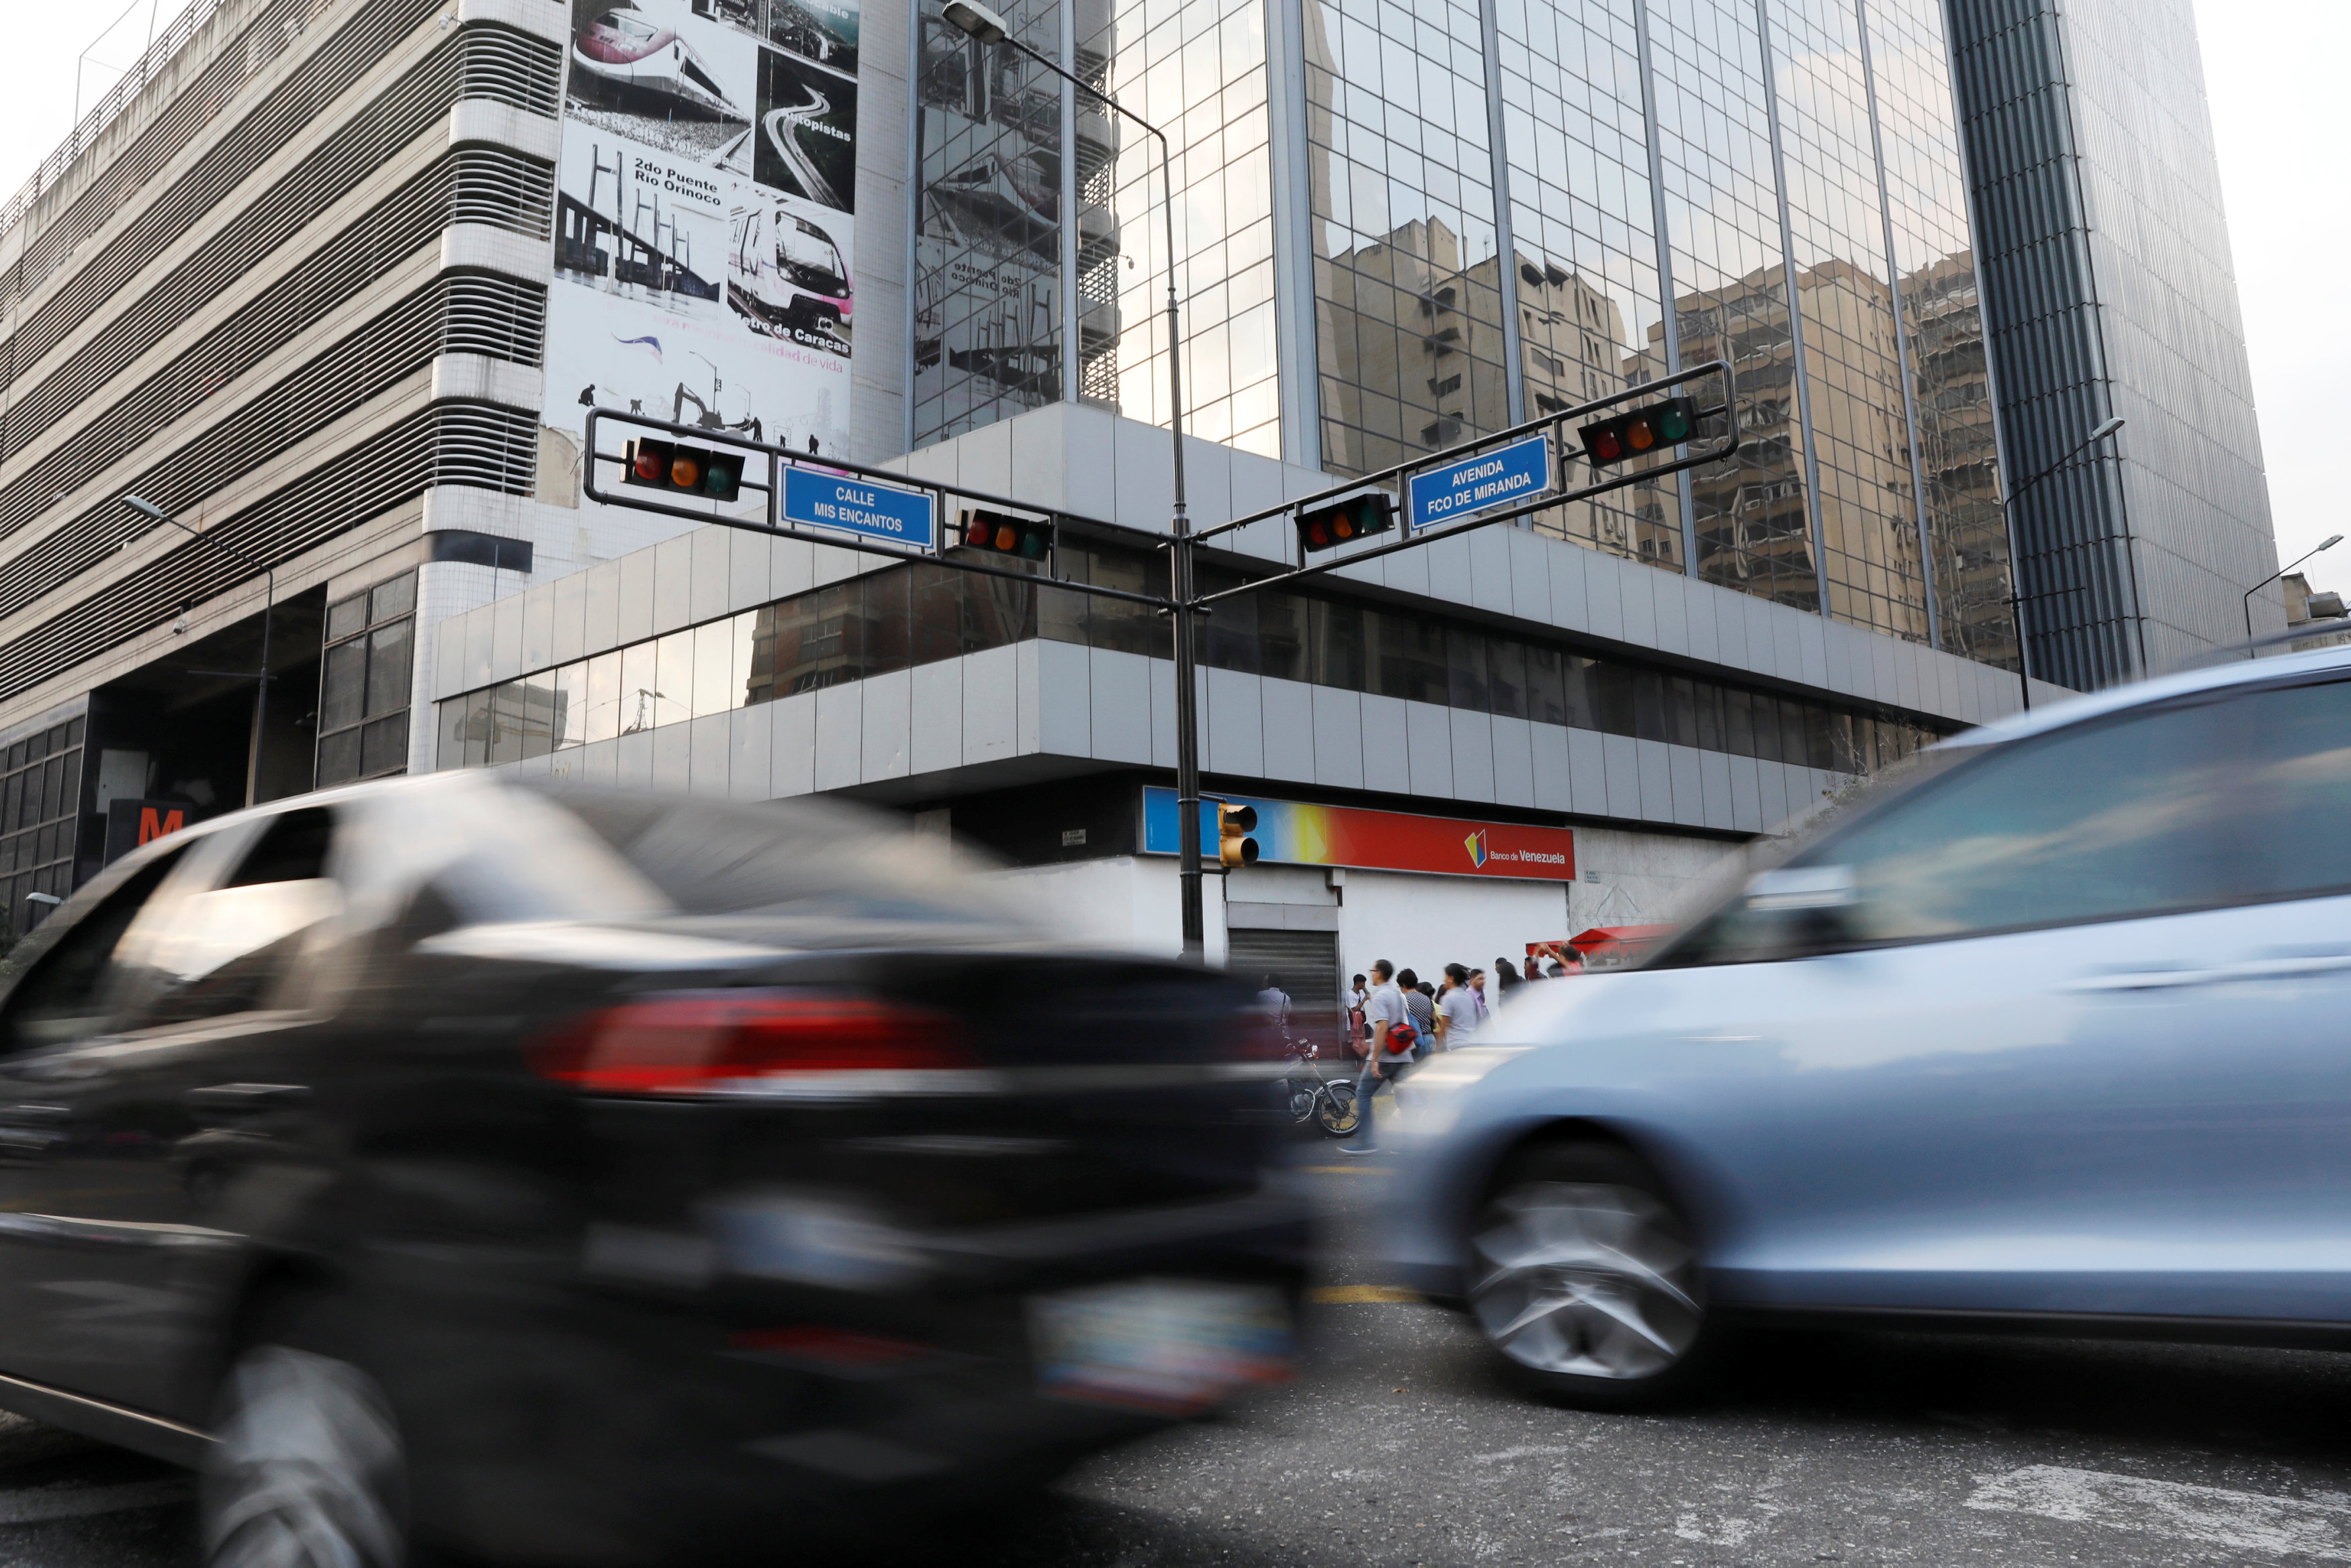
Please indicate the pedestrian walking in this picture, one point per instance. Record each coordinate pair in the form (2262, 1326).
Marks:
(1275, 1003)
(1389, 1054)
(1478, 990)
(1456, 1010)
(1422, 1008)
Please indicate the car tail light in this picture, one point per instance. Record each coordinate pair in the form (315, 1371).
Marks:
(724, 1041)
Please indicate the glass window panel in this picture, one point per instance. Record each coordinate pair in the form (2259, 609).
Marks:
(569, 721)
(1739, 722)
(348, 618)
(505, 724)
(741, 632)
(937, 593)
(451, 747)
(478, 724)
(600, 715)
(1465, 656)
(1229, 638)
(539, 714)
(1412, 659)
(761, 685)
(1610, 686)
(634, 699)
(396, 597)
(714, 668)
(1282, 634)
(1545, 686)
(1506, 677)
(1681, 710)
(387, 666)
(1648, 705)
(672, 684)
(384, 749)
(342, 686)
(889, 638)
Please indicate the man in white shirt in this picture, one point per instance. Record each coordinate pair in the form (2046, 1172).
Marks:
(1392, 1041)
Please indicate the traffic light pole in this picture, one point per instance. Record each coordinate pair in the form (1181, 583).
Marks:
(1184, 602)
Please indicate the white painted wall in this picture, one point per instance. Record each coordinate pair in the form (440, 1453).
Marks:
(1424, 923)
(1645, 878)
(1127, 902)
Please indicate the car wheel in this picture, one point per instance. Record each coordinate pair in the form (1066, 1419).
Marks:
(308, 1469)
(1584, 1279)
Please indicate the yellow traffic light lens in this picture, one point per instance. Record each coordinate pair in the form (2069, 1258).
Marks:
(1343, 528)
(1639, 436)
(1007, 536)
(684, 472)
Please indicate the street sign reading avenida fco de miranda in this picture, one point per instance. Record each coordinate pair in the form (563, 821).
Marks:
(1438, 496)
(817, 498)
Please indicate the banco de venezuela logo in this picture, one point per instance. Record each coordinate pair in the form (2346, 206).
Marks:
(1475, 845)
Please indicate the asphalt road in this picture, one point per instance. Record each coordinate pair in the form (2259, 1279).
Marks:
(1400, 1446)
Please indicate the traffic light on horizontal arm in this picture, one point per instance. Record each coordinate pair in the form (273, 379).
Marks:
(1234, 825)
(1003, 533)
(684, 470)
(1337, 523)
(1627, 436)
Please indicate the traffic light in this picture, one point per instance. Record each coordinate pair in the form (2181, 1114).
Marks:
(1005, 534)
(687, 469)
(1669, 423)
(1234, 825)
(1328, 527)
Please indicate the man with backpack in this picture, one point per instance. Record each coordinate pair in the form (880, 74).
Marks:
(1393, 1041)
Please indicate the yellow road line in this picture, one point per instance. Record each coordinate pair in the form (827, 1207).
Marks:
(1363, 1295)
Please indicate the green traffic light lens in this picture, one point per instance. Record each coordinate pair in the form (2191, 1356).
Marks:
(1673, 425)
(1032, 545)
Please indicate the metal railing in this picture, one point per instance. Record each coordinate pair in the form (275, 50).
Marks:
(120, 96)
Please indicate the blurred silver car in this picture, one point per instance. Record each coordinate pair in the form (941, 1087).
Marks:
(2056, 1036)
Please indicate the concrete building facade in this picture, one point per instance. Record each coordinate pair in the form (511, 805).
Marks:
(337, 284)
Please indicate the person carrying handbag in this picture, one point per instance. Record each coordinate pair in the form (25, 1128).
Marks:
(1394, 1040)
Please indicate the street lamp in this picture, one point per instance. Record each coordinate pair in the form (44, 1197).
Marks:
(2332, 540)
(147, 509)
(2016, 596)
(985, 26)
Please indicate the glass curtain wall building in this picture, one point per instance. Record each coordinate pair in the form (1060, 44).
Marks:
(1507, 208)
(2110, 291)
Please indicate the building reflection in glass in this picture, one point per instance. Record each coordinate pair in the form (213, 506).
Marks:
(988, 333)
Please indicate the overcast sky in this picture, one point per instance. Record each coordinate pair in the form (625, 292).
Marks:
(2275, 91)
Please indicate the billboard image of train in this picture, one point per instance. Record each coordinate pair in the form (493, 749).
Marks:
(788, 277)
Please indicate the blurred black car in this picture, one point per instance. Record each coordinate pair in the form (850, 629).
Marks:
(565, 1175)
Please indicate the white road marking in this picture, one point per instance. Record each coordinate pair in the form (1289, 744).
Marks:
(2210, 1515)
(82, 1502)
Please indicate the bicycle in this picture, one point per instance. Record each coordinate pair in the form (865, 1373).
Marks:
(1329, 1103)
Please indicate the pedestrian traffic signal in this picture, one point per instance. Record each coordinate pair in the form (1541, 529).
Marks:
(686, 470)
(1234, 825)
(1006, 534)
(1669, 423)
(1338, 522)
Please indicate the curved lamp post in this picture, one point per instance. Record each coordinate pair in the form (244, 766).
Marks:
(987, 27)
(147, 509)
(2332, 540)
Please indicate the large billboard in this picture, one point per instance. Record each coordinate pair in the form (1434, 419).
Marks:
(1293, 833)
(704, 255)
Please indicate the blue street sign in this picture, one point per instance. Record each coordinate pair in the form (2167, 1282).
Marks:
(1517, 472)
(815, 499)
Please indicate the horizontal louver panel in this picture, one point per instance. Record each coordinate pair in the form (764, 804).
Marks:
(457, 443)
(477, 62)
